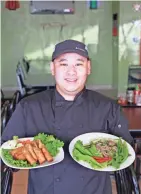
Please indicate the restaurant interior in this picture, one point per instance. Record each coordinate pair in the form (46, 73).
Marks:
(112, 32)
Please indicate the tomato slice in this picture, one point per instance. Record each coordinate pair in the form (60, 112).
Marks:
(102, 159)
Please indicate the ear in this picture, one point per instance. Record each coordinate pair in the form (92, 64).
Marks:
(52, 68)
(89, 67)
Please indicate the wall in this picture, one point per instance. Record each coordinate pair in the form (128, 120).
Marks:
(32, 36)
(129, 41)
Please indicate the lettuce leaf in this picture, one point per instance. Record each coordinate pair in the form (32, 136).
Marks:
(52, 144)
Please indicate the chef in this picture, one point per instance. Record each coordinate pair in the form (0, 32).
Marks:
(66, 112)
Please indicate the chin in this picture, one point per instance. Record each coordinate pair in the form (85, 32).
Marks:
(73, 90)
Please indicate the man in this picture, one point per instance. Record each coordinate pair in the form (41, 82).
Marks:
(67, 111)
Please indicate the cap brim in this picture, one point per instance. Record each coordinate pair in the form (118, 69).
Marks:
(79, 52)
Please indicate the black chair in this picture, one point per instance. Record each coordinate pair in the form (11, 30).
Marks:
(126, 181)
(134, 74)
(26, 90)
(7, 180)
(2, 95)
(3, 106)
(5, 116)
(137, 163)
(26, 65)
(16, 98)
(6, 172)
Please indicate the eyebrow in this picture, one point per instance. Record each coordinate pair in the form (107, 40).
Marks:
(80, 60)
(61, 60)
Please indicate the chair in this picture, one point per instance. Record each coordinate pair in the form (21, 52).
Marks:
(137, 164)
(16, 98)
(26, 65)
(6, 172)
(2, 95)
(134, 75)
(126, 181)
(7, 180)
(26, 90)
(5, 116)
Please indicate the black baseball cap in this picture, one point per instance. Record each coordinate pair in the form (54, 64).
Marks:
(70, 46)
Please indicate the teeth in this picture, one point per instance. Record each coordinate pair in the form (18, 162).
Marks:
(71, 80)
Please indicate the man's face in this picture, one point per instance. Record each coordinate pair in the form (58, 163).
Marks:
(70, 71)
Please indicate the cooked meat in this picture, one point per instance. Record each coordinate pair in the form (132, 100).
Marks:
(105, 154)
(111, 143)
(114, 148)
(106, 148)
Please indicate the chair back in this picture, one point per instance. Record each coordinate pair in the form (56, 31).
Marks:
(134, 75)
(5, 115)
(16, 98)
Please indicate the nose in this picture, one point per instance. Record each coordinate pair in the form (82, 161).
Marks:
(71, 70)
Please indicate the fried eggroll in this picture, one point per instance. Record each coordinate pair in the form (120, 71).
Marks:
(19, 156)
(44, 150)
(40, 144)
(34, 144)
(39, 155)
(28, 156)
(31, 151)
(47, 154)
(16, 150)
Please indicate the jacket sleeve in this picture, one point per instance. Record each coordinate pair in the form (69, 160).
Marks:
(118, 124)
(16, 126)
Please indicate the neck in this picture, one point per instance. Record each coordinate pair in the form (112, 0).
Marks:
(67, 96)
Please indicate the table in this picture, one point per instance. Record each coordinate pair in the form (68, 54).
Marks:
(134, 117)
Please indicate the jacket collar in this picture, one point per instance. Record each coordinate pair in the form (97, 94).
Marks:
(60, 100)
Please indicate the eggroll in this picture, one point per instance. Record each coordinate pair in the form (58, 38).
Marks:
(28, 156)
(47, 154)
(31, 151)
(19, 156)
(39, 155)
(34, 144)
(40, 144)
(16, 150)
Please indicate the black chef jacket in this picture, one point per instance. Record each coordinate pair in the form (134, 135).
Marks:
(49, 112)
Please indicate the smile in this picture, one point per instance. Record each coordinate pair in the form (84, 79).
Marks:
(71, 80)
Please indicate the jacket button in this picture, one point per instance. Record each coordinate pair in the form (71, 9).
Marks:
(58, 179)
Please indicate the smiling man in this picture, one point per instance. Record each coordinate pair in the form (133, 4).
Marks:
(70, 68)
(66, 112)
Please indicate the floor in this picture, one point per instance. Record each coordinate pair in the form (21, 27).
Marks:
(20, 183)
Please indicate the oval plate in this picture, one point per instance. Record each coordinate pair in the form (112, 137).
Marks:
(11, 145)
(87, 137)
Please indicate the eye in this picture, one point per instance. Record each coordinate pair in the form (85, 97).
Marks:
(63, 64)
(79, 64)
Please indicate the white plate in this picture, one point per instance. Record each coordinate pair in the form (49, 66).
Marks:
(11, 145)
(87, 137)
